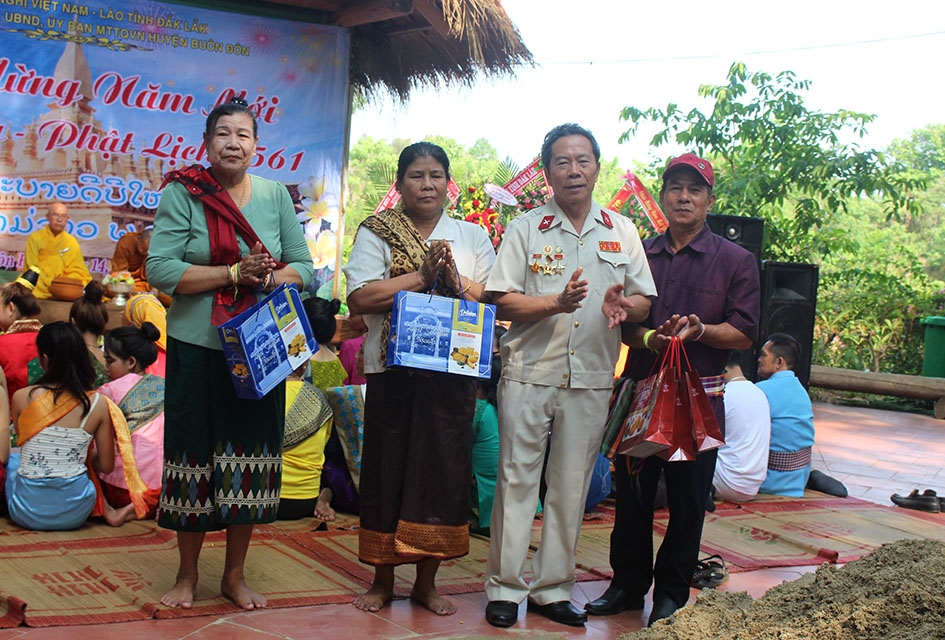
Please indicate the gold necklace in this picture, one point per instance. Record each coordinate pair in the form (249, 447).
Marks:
(242, 193)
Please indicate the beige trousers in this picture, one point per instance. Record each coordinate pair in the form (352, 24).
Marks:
(527, 413)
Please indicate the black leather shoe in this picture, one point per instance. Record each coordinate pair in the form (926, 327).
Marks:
(562, 611)
(613, 602)
(927, 501)
(501, 613)
(662, 608)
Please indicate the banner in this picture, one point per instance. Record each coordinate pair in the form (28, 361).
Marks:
(101, 98)
(633, 187)
(517, 184)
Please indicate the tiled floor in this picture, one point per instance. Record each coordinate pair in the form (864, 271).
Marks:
(874, 453)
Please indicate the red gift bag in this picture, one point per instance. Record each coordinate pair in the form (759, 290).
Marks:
(651, 421)
(682, 447)
(705, 426)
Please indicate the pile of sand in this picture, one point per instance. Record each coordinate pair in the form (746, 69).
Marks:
(894, 593)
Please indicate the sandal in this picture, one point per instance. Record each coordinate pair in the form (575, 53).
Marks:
(710, 573)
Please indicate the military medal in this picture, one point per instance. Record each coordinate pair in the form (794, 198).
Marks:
(548, 261)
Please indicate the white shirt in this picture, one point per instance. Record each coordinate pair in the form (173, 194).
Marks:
(370, 260)
(743, 459)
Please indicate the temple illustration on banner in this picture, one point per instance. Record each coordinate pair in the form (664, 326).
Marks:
(107, 193)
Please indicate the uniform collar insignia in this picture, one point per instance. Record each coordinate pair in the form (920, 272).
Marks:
(605, 218)
(546, 223)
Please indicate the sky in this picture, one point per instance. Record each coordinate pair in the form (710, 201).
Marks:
(595, 57)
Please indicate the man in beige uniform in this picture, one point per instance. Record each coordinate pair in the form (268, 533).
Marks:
(553, 269)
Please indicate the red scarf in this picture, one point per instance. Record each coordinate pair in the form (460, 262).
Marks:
(224, 221)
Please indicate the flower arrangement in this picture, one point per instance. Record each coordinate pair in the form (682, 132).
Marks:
(118, 277)
(533, 196)
(475, 206)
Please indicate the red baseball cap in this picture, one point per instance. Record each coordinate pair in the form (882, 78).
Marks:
(702, 166)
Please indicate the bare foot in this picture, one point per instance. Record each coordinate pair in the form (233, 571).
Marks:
(181, 594)
(117, 517)
(373, 599)
(323, 510)
(242, 595)
(433, 601)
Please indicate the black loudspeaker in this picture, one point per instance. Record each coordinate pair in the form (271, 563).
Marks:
(788, 305)
(743, 231)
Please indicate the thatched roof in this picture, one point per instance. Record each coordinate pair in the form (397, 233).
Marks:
(398, 45)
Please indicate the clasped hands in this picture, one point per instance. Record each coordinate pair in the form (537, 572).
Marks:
(255, 269)
(439, 259)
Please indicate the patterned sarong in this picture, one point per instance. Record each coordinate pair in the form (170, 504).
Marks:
(222, 454)
(416, 469)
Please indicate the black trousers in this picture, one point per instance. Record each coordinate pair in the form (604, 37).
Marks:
(631, 543)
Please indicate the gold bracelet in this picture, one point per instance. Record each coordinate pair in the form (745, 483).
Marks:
(469, 284)
(235, 278)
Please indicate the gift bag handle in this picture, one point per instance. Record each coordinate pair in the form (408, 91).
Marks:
(459, 278)
(670, 355)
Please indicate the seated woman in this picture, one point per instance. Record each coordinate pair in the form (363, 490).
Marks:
(129, 351)
(146, 307)
(18, 327)
(90, 317)
(47, 484)
(307, 425)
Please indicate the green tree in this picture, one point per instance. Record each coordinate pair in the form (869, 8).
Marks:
(923, 153)
(871, 300)
(372, 165)
(777, 159)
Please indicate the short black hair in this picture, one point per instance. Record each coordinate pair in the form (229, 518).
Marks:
(736, 358)
(564, 130)
(783, 345)
(421, 150)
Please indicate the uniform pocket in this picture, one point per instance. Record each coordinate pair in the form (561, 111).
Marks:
(612, 265)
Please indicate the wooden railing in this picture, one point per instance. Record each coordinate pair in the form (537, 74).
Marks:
(884, 384)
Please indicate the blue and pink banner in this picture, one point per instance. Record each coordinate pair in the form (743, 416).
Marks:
(100, 99)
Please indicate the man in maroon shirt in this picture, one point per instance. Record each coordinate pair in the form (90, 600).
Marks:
(708, 294)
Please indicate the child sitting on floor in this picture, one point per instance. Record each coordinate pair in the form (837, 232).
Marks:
(129, 351)
(47, 485)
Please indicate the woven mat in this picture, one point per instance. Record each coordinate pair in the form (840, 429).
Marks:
(98, 577)
(100, 574)
(775, 531)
